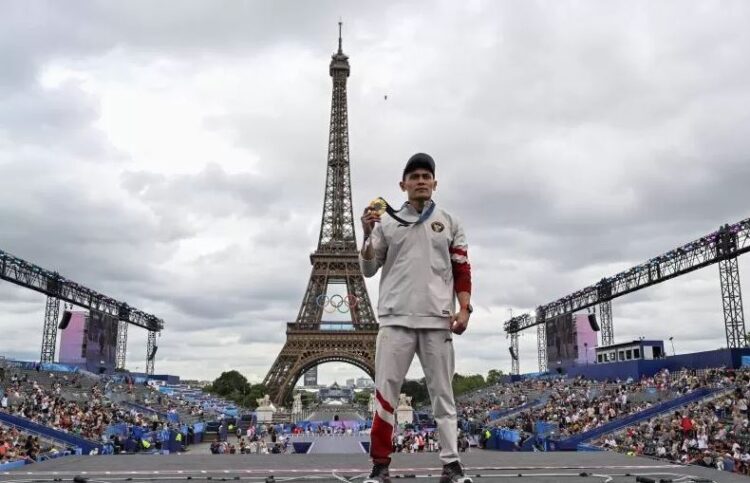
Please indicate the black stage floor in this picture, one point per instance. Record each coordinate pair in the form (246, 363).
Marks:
(483, 466)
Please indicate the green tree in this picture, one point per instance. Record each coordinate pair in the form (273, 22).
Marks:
(229, 384)
(234, 386)
(362, 397)
(308, 399)
(494, 376)
(254, 392)
(417, 390)
(464, 384)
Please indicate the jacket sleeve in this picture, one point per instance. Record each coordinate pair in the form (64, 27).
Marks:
(459, 251)
(380, 248)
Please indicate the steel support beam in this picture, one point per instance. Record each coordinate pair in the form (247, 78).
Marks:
(541, 343)
(729, 241)
(49, 337)
(150, 354)
(122, 345)
(605, 323)
(515, 369)
(731, 298)
(24, 274)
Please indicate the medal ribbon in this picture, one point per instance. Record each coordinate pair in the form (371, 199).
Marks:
(422, 217)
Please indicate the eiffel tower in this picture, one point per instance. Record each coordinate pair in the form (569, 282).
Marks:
(312, 340)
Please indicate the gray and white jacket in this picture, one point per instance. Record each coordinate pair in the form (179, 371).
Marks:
(416, 284)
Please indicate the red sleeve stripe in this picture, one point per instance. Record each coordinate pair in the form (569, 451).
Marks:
(458, 251)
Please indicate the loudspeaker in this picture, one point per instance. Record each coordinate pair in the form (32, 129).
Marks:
(102, 370)
(65, 320)
(153, 354)
(513, 354)
(592, 323)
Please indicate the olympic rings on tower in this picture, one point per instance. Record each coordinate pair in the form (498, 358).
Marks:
(337, 303)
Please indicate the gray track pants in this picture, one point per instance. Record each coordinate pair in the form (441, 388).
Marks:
(394, 353)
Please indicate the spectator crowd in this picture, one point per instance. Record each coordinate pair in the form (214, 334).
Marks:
(714, 432)
(15, 445)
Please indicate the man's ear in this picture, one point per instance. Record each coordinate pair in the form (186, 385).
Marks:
(402, 185)
(434, 185)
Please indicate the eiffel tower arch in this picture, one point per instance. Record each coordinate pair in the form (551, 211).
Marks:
(336, 322)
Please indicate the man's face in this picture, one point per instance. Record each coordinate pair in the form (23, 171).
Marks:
(419, 184)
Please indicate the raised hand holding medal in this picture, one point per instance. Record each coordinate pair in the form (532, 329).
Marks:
(372, 215)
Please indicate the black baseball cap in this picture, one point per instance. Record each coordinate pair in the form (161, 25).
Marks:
(420, 160)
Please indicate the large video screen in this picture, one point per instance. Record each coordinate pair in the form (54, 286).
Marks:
(562, 350)
(586, 340)
(101, 342)
(72, 340)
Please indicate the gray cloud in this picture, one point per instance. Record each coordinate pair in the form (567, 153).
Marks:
(573, 139)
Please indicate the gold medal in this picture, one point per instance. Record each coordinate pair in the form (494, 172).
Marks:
(378, 206)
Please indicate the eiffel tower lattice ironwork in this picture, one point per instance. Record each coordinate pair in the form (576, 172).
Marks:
(311, 340)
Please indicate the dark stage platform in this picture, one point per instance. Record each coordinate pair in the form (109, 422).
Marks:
(485, 467)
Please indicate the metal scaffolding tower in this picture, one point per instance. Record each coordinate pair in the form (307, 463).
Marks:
(49, 337)
(605, 323)
(731, 294)
(515, 368)
(541, 343)
(150, 352)
(122, 345)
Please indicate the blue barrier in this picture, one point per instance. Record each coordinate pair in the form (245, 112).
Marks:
(120, 429)
(44, 366)
(508, 435)
(27, 366)
(56, 367)
(67, 438)
(12, 465)
(498, 443)
(302, 447)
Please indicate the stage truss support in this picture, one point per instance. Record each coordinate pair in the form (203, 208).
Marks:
(719, 247)
(515, 369)
(731, 298)
(49, 337)
(541, 343)
(150, 355)
(605, 321)
(122, 345)
(25, 274)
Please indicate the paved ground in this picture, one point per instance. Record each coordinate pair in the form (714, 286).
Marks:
(336, 444)
(484, 466)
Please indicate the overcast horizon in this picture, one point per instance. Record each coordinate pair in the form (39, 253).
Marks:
(173, 155)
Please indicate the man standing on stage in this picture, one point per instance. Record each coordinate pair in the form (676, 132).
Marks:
(423, 253)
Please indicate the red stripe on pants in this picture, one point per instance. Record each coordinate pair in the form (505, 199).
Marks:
(385, 404)
(381, 436)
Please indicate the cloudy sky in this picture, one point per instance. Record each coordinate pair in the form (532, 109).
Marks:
(172, 155)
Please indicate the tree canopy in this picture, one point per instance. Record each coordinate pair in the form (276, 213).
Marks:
(234, 386)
